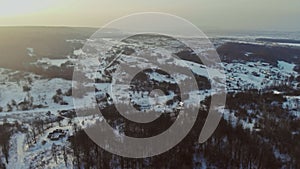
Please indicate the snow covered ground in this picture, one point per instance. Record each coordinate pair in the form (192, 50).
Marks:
(18, 87)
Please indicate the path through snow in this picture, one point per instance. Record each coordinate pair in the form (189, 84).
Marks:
(16, 159)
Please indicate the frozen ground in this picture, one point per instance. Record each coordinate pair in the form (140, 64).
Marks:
(17, 87)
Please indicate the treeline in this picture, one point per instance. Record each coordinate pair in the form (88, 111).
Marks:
(273, 143)
(274, 123)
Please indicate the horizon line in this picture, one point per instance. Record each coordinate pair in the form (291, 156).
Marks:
(98, 27)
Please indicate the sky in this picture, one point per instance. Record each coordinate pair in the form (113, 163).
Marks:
(206, 14)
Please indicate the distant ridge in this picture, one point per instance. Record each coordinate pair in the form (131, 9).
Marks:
(278, 40)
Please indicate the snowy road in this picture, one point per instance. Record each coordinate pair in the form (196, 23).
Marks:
(16, 159)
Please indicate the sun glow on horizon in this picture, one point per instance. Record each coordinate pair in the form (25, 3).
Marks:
(208, 14)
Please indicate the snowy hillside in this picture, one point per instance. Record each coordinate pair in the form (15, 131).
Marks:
(37, 110)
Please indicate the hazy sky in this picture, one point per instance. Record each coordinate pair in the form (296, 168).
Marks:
(206, 14)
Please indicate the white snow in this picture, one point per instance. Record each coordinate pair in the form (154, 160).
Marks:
(30, 52)
(239, 76)
(230, 117)
(46, 62)
(285, 66)
(16, 154)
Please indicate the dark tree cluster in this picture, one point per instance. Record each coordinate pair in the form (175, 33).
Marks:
(231, 146)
